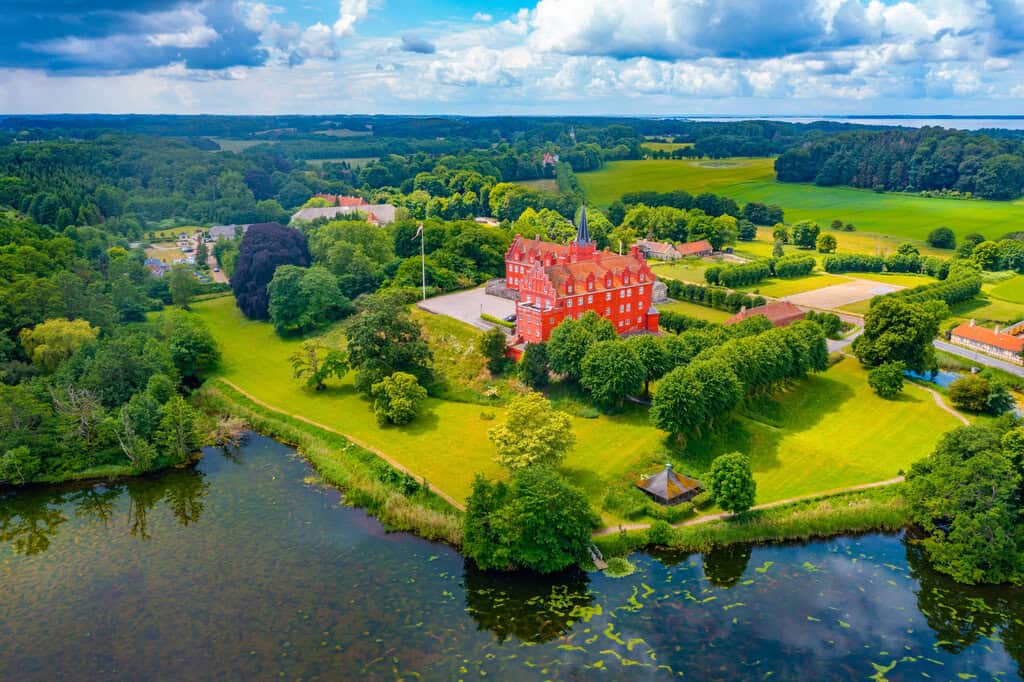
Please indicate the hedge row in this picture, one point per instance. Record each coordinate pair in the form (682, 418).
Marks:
(742, 275)
(951, 291)
(788, 267)
(713, 297)
(897, 262)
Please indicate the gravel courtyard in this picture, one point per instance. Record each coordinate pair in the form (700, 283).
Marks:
(838, 295)
(467, 306)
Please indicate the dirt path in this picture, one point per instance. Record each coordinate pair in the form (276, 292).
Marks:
(437, 491)
(768, 505)
(937, 397)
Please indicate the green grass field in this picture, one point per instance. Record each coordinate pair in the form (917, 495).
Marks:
(665, 146)
(693, 310)
(688, 270)
(776, 288)
(549, 185)
(1011, 290)
(352, 161)
(826, 432)
(900, 215)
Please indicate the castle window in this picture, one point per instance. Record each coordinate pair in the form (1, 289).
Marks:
(590, 299)
(620, 307)
(608, 296)
(641, 288)
(627, 307)
(569, 302)
(579, 301)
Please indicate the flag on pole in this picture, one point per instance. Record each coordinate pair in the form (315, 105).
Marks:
(419, 231)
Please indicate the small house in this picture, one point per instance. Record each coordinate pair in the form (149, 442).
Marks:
(668, 487)
(780, 314)
(698, 248)
(1006, 344)
(658, 250)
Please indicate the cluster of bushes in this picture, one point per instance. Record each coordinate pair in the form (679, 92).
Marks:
(793, 266)
(951, 291)
(744, 274)
(680, 322)
(897, 262)
(829, 323)
(711, 204)
(978, 393)
(694, 397)
(713, 297)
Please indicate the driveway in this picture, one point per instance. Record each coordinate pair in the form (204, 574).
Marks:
(974, 356)
(466, 306)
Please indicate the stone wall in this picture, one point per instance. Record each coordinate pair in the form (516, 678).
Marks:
(496, 287)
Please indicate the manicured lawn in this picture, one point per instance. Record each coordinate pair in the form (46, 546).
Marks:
(829, 431)
(901, 215)
(448, 444)
(1011, 290)
(694, 310)
(688, 270)
(986, 309)
(826, 432)
(896, 279)
(787, 287)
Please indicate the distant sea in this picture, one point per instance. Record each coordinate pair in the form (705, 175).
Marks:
(958, 122)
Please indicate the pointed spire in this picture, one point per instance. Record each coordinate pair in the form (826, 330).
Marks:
(582, 231)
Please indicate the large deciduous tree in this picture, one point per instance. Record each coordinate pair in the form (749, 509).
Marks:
(896, 331)
(304, 299)
(533, 368)
(533, 433)
(264, 247)
(696, 396)
(571, 340)
(384, 339)
(51, 342)
(610, 371)
(965, 496)
(731, 482)
(539, 522)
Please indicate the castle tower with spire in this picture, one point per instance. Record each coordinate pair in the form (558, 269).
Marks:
(556, 282)
(583, 247)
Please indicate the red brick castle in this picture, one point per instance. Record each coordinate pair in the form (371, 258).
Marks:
(556, 282)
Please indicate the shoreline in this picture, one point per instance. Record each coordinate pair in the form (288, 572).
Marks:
(345, 464)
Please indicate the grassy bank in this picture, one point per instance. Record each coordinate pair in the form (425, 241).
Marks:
(753, 179)
(366, 480)
(877, 509)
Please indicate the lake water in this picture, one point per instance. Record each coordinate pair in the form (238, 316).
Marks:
(955, 122)
(245, 568)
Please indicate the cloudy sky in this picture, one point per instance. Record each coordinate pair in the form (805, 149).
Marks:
(745, 57)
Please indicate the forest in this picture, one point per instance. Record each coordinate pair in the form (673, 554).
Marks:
(934, 161)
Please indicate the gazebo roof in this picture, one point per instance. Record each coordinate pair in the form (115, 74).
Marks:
(667, 486)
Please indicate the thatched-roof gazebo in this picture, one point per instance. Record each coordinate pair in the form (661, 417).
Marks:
(668, 487)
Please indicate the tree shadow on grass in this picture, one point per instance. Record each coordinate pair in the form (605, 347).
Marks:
(758, 427)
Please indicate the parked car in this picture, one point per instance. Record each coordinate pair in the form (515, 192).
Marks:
(510, 318)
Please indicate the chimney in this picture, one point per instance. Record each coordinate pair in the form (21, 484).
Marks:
(997, 329)
(972, 322)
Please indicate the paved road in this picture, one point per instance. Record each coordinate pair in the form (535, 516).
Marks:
(834, 346)
(467, 306)
(979, 358)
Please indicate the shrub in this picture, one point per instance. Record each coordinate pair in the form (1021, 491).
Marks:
(660, 533)
(703, 500)
(491, 345)
(794, 266)
(619, 567)
(498, 321)
(887, 380)
(397, 398)
(942, 238)
(533, 368)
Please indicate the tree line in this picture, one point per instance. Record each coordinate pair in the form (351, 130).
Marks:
(910, 160)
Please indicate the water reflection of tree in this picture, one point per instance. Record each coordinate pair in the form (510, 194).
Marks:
(184, 492)
(960, 615)
(28, 521)
(534, 608)
(724, 566)
(96, 503)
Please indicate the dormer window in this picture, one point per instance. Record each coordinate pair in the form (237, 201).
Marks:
(569, 288)
(643, 277)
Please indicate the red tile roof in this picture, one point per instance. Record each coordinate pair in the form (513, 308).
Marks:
(657, 247)
(536, 246)
(693, 248)
(780, 313)
(603, 263)
(989, 337)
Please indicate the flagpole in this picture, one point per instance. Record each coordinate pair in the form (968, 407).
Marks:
(423, 261)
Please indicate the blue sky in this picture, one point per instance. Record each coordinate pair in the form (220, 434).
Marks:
(651, 57)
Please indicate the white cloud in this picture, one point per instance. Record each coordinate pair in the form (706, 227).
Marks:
(350, 12)
(483, 16)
